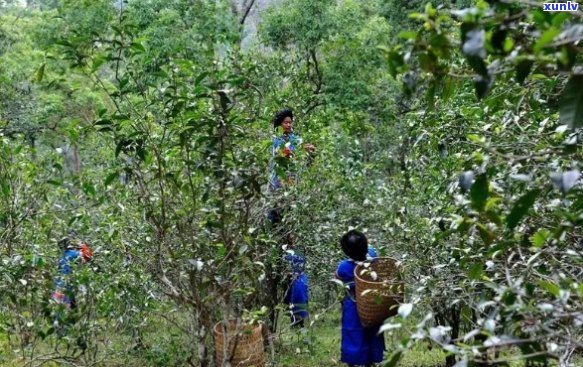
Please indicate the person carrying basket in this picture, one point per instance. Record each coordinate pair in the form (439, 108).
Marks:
(360, 346)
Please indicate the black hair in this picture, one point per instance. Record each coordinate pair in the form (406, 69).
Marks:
(355, 245)
(64, 243)
(280, 116)
(67, 241)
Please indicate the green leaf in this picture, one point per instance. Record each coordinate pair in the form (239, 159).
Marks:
(521, 208)
(109, 179)
(5, 189)
(426, 62)
(430, 95)
(200, 77)
(89, 189)
(220, 250)
(475, 271)
(476, 138)
(407, 35)
(486, 235)
(396, 61)
(559, 18)
(508, 45)
(40, 73)
(138, 47)
(479, 192)
(378, 299)
(509, 297)
(523, 68)
(492, 204)
(550, 287)
(430, 10)
(55, 182)
(571, 105)
(120, 146)
(540, 237)
(395, 358)
(74, 219)
(483, 84)
(448, 88)
(102, 122)
(97, 62)
(440, 43)
(546, 38)
(418, 16)
(498, 38)
(493, 216)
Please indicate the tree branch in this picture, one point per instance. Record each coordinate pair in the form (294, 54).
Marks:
(247, 11)
(318, 72)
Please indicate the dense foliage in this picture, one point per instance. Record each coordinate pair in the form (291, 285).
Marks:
(451, 136)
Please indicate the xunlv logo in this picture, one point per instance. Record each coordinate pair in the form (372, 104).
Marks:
(568, 6)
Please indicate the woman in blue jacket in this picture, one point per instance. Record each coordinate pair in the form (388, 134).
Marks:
(360, 346)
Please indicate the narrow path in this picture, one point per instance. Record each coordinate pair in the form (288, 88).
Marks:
(319, 346)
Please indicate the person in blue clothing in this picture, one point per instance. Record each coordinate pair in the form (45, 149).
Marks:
(281, 175)
(360, 346)
(73, 251)
(283, 149)
(297, 290)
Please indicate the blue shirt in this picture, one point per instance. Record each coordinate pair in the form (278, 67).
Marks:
(296, 261)
(359, 345)
(345, 272)
(279, 143)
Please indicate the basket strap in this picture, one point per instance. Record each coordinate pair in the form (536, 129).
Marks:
(350, 293)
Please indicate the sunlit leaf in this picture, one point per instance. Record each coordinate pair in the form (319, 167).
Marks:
(565, 181)
(388, 326)
(540, 237)
(546, 38)
(138, 47)
(407, 35)
(405, 309)
(550, 287)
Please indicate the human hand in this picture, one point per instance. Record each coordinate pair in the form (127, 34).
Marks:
(309, 147)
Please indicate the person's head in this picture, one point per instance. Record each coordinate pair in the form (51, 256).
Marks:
(355, 245)
(64, 243)
(285, 119)
(69, 241)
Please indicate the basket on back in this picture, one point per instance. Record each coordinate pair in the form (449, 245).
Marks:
(241, 347)
(378, 290)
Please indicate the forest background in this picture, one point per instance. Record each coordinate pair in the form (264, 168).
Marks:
(449, 130)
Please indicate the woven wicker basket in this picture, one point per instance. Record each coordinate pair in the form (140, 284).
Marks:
(378, 299)
(245, 345)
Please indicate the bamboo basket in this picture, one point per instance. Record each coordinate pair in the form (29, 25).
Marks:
(377, 300)
(245, 345)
